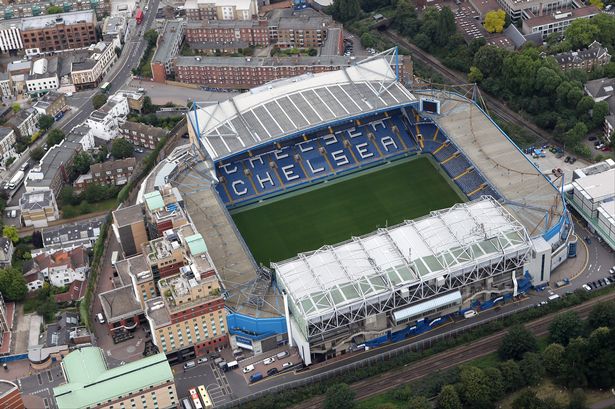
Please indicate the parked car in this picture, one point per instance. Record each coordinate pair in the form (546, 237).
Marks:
(470, 314)
(612, 270)
(586, 287)
(255, 377)
(201, 360)
(282, 354)
(248, 369)
(189, 364)
(272, 371)
(573, 160)
(287, 365)
(567, 160)
(269, 361)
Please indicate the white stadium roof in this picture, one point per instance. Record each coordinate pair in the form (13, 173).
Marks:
(353, 272)
(274, 110)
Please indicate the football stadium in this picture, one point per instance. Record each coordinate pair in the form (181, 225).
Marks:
(345, 210)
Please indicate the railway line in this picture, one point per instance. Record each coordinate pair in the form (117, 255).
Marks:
(448, 359)
(495, 106)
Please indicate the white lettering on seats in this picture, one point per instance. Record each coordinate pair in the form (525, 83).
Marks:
(353, 133)
(378, 122)
(261, 181)
(239, 192)
(255, 159)
(363, 151)
(305, 148)
(317, 170)
(288, 172)
(388, 141)
(229, 168)
(280, 154)
(340, 158)
(329, 139)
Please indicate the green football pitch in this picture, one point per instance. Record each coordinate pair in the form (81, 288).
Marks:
(333, 212)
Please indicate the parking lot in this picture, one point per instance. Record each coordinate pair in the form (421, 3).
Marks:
(555, 165)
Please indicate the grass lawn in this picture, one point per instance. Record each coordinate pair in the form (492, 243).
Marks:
(69, 211)
(337, 210)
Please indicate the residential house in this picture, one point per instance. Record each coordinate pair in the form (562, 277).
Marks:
(38, 208)
(62, 267)
(603, 89)
(72, 235)
(114, 172)
(104, 121)
(141, 134)
(52, 171)
(52, 103)
(8, 137)
(24, 122)
(6, 252)
(594, 55)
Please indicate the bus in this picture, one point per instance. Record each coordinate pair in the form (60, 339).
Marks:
(205, 396)
(105, 87)
(195, 399)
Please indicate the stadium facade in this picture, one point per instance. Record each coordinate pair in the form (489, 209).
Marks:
(399, 280)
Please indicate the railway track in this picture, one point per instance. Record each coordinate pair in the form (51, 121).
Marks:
(448, 359)
(495, 106)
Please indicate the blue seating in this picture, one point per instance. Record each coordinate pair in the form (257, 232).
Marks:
(470, 181)
(445, 152)
(456, 166)
(339, 156)
(238, 184)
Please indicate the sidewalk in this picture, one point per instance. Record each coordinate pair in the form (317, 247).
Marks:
(605, 404)
(572, 267)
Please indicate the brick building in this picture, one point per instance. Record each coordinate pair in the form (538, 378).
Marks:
(141, 134)
(129, 229)
(113, 172)
(244, 73)
(59, 31)
(167, 47)
(52, 171)
(595, 55)
(51, 103)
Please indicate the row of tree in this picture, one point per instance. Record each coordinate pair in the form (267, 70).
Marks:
(582, 354)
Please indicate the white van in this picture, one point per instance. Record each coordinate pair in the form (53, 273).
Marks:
(100, 317)
(248, 369)
(553, 297)
(470, 314)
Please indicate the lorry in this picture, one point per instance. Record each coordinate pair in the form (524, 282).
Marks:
(16, 179)
(139, 16)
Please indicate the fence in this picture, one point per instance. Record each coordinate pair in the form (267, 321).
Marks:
(416, 346)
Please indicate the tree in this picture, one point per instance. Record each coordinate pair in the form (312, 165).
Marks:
(339, 396)
(95, 193)
(511, 375)
(474, 388)
(448, 398)
(55, 137)
(527, 400)
(54, 10)
(82, 162)
(418, 402)
(517, 342)
(580, 33)
(345, 10)
(99, 100)
(600, 358)
(564, 327)
(552, 358)
(577, 399)
(495, 20)
(489, 60)
(12, 284)
(575, 135)
(599, 111)
(532, 368)
(574, 366)
(37, 153)
(16, 107)
(475, 75)
(10, 232)
(602, 315)
(45, 122)
(368, 40)
(121, 148)
(597, 3)
(496, 383)
(151, 36)
(445, 26)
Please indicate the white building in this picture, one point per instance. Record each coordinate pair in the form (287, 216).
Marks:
(60, 268)
(10, 38)
(104, 122)
(83, 135)
(44, 76)
(38, 208)
(221, 9)
(6, 87)
(591, 194)
(7, 143)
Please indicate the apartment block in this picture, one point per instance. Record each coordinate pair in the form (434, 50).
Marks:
(140, 134)
(104, 121)
(164, 210)
(52, 103)
(10, 37)
(90, 383)
(557, 22)
(89, 70)
(523, 9)
(129, 229)
(221, 9)
(245, 73)
(52, 172)
(24, 122)
(595, 55)
(167, 47)
(59, 31)
(189, 317)
(233, 34)
(113, 172)
(38, 208)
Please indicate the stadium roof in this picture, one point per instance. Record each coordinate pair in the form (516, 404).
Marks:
(289, 106)
(352, 272)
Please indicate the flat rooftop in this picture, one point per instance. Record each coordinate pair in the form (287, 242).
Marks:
(137, 266)
(167, 40)
(50, 20)
(120, 303)
(329, 60)
(571, 14)
(128, 215)
(598, 187)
